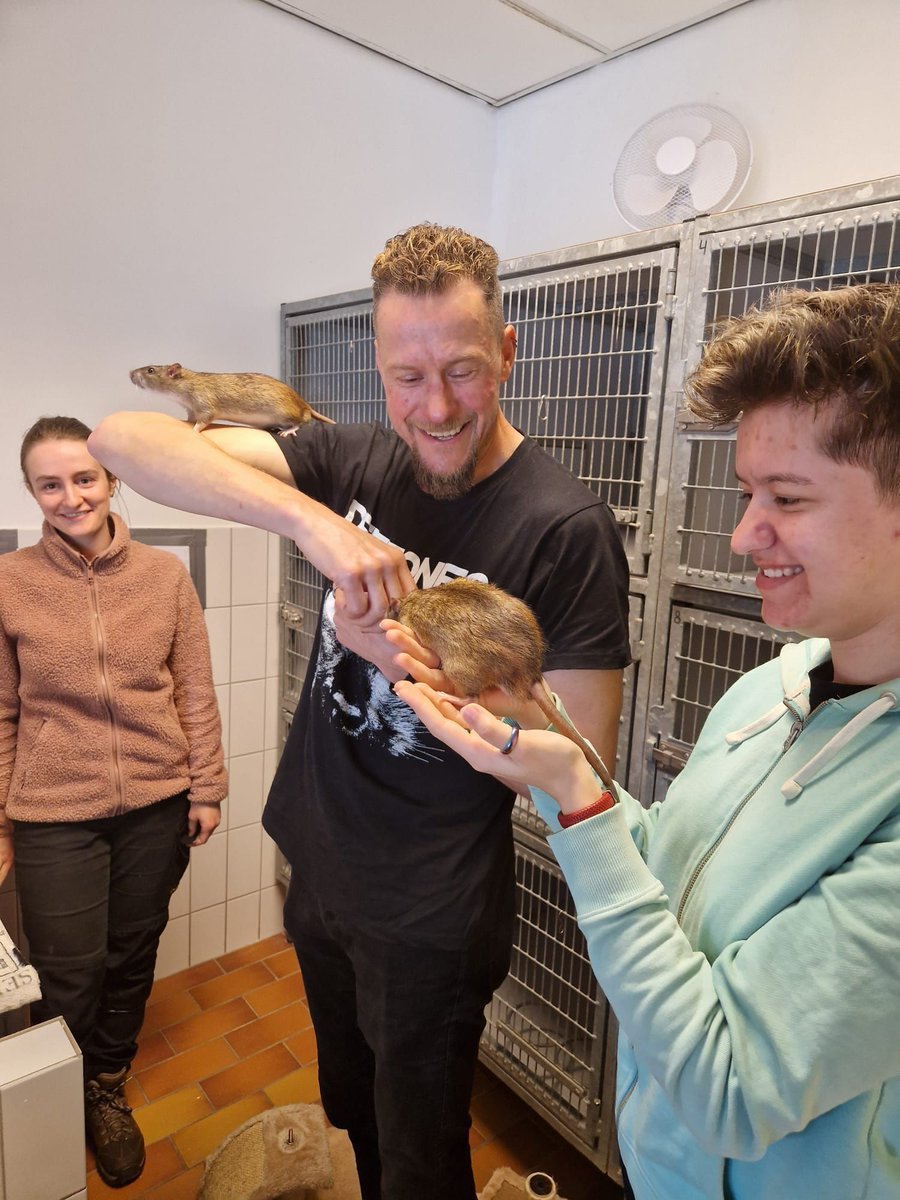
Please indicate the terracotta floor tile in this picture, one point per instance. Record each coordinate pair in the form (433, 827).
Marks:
(251, 954)
(208, 1025)
(281, 1024)
(173, 1112)
(152, 1048)
(168, 1012)
(260, 1026)
(185, 1187)
(283, 963)
(303, 1046)
(182, 981)
(206, 1059)
(134, 1093)
(234, 983)
(201, 1138)
(163, 1162)
(275, 995)
(250, 1075)
(300, 1087)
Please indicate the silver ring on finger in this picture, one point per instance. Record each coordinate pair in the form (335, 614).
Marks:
(510, 744)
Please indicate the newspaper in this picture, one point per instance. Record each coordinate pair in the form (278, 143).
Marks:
(19, 983)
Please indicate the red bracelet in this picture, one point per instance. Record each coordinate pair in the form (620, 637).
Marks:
(606, 801)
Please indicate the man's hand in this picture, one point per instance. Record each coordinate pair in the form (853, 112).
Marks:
(241, 475)
(365, 639)
(370, 574)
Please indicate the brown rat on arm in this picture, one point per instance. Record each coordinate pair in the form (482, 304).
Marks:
(484, 639)
(244, 398)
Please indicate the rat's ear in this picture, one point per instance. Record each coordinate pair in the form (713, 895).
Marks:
(174, 370)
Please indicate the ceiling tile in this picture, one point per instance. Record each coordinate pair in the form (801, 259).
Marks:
(499, 50)
(483, 46)
(614, 26)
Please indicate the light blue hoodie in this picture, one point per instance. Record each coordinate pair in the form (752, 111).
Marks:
(747, 934)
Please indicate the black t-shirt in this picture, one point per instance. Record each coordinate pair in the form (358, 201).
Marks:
(378, 819)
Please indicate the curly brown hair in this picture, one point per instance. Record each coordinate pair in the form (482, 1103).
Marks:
(428, 259)
(838, 351)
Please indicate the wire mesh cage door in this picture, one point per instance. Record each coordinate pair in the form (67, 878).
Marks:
(547, 1023)
(587, 385)
(707, 653)
(328, 356)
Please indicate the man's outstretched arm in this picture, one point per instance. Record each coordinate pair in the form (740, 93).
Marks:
(240, 475)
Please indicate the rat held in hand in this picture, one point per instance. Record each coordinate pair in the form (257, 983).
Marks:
(244, 399)
(486, 638)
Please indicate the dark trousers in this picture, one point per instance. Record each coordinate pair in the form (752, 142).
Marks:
(95, 900)
(397, 1028)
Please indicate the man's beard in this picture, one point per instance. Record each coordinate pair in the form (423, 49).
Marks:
(445, 487)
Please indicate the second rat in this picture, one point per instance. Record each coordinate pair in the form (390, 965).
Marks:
(244, 398)
(486, 638)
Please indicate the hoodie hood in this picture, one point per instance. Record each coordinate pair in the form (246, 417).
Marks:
(797, 659)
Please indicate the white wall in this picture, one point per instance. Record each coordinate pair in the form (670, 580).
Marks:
(173, 170)
(814, 81)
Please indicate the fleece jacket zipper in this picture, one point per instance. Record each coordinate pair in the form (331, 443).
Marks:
(106, 690)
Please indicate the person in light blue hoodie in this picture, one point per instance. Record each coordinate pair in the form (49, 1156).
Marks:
(747, 930)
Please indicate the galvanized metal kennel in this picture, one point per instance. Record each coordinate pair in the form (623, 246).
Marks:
(607, 331)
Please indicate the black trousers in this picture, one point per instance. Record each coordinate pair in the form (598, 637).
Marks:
(397, 1028)
(95, 900)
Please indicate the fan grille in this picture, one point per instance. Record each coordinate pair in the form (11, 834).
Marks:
(687, 160)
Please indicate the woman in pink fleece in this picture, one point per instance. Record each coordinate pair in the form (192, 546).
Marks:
(111, 763)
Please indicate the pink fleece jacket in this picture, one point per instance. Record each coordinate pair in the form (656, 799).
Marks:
(106, 692)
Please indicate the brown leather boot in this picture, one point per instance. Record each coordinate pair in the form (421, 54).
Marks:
(118, 1142)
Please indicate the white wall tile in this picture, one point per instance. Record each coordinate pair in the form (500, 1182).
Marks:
(207, 934)
(273, 590)
(242, 921)
(208, 872)
(223, 695)
(174, 948)
(243, 860)
(273, 639)
(245, 794)
(180, 903)
(218, 626)
(249, 565)
(271, 911)
(247, 725)
(248, 642)
(218, 567)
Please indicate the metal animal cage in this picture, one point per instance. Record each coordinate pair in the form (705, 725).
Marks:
(606, 333)
(547, 1024)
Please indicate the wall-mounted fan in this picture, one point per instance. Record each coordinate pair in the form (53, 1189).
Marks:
(687, 160)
